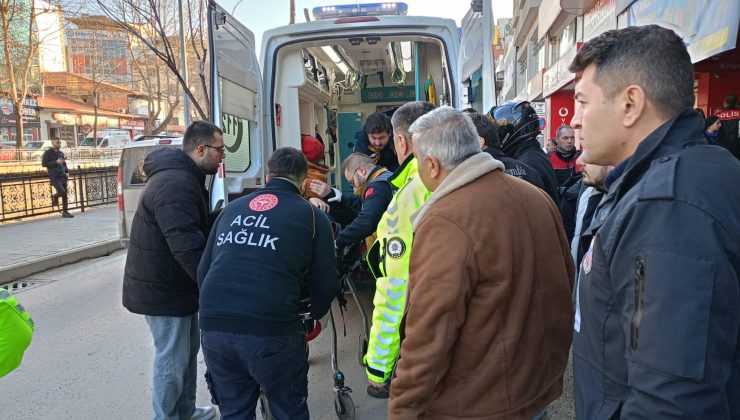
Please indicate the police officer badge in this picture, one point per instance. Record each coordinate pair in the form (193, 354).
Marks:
(395, 247)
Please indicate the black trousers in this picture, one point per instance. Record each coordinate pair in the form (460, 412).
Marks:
(240, 365)
(60, 185)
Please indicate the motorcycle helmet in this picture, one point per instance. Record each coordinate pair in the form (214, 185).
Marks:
(517, 122)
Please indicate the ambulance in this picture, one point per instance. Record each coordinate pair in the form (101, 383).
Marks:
(325, 77)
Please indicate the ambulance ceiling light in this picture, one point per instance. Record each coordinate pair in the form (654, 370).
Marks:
(334, 56)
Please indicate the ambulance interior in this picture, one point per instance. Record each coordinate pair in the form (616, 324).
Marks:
(334, 85)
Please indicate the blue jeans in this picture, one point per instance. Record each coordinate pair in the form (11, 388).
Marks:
(176, 344)
(239, 365)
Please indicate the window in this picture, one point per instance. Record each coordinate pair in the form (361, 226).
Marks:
(132, 162)
(237, 121)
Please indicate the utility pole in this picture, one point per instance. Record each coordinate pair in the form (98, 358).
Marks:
(183, 66)
(489, 71)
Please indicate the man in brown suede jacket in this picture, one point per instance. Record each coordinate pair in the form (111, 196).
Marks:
(489, 315)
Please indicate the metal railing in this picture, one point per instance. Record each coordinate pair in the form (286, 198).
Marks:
(28, 195)
(11, 155)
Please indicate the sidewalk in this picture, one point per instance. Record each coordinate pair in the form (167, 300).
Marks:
(37, 245)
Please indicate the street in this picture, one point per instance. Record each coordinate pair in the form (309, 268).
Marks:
(91, 359)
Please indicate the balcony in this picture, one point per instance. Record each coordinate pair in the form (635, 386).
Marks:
(524, 19)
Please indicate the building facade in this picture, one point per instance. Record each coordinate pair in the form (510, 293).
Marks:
(548, 34)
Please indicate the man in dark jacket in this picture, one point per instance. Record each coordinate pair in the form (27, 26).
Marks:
(376, 140)
(56, 165)
(373, 193)
(168, 235)
(657, 331)
(489, 143)
(518, 127)
(262, 250)
(563, 159)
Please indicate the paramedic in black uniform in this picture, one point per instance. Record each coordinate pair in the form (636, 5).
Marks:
(260, 251)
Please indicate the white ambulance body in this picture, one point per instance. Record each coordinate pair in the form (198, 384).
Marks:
(335, 71)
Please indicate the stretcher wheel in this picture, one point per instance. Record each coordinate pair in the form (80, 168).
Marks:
(344, 406)
(265, 408)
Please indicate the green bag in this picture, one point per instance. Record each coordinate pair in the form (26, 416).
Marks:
(16, 329)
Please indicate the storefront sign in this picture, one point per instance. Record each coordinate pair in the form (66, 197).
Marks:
(560, 107)
(90, 120)
(130, 123)
(63, 118)
(29, 112)
(599, 19)
(558, 74)
(708, 28)
(539, 108)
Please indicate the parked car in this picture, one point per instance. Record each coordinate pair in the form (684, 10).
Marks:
(7, 151)
(132, 179)
(33, 150)
(153, 137)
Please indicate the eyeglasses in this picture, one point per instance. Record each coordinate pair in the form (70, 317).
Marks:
(351, 180)
(219, 149)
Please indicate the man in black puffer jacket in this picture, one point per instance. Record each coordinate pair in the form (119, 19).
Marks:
(168, 236)
(518, 127)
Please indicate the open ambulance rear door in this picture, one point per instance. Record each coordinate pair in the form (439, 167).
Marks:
(475, 63)
(236, 105)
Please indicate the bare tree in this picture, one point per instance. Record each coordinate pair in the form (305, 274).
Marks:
(20, 47)
(153, 24)
(159, 86)
(22, 37)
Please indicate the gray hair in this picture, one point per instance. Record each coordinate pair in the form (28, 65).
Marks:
(560, 129)
(446, 134)
(355, 161)
(407, 114)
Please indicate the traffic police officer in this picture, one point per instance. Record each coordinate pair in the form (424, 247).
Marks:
(389, 256)
(16, 329)
(261, 252)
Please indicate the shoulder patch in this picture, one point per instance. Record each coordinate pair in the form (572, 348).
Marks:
(659, 181)
(369, 192)
(263, 202)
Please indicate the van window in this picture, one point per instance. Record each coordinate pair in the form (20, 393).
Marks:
(237, 121)
(103, 143)
(87, 142)
(132, 162)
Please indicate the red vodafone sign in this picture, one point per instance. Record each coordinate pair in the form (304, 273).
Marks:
(560, 106)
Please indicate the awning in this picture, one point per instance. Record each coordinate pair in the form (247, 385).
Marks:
(52, 101)
(708, 28)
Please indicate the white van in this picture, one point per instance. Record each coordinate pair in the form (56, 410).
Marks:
(326, 76)
(107, 138)
(132, 179)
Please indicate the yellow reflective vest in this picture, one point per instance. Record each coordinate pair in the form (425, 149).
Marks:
(390, 266)
(16, 329)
